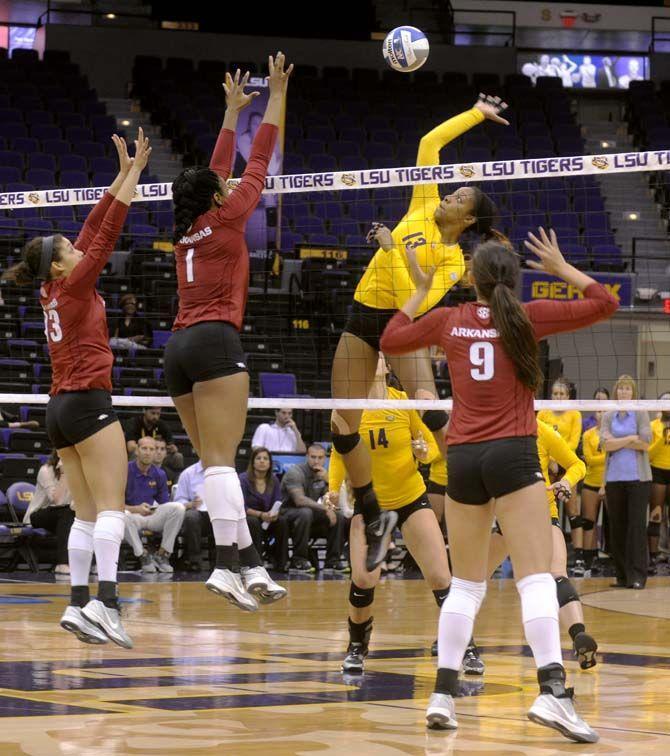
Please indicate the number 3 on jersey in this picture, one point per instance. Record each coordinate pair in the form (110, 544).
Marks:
(481, 358)
(52, 329)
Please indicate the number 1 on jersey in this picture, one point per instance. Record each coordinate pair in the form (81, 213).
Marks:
(190, 277)
(481, 357)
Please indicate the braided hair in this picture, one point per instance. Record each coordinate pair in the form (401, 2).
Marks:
(192, 193)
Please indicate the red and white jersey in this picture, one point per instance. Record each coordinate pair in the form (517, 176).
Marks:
(75, 321)
(212, 257)
(490, 401)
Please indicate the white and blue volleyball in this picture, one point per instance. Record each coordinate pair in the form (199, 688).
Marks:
(406, 49)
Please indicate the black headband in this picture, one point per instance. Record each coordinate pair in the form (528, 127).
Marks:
(47, 255)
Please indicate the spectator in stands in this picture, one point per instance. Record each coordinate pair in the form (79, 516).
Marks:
(148, 424)
(280, 437)
(7, 420)
(601, 394)
(626, 437)
(130, 331)
(148, 508)
(51, 508)
(309, 513)
(196, 521)
(170, 464)
(606, 78)
(262, 500)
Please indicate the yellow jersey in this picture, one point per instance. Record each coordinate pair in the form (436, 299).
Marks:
(388, 434)
(659, 450)
(594, 456)
(386, 283)
(568, 424)
(438, 471)
(550, 446)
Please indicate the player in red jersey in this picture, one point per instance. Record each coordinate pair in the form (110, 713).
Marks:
(81, 421)
(205, 367)
(492, 351)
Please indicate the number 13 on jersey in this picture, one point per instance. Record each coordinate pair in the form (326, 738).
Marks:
(482, 360)
(52, 329)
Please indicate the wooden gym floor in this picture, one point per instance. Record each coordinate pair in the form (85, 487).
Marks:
(204, 678)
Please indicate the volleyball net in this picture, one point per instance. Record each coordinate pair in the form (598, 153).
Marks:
(308, 251)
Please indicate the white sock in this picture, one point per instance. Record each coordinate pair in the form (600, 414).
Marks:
(243, 534)
(80, 551)
(225, 503)
(539, 609)
(107, 537)
(457, 620)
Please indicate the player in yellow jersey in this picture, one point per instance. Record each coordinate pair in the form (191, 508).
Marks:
(396, 439)
(432, 226)
(568, 423)
(659, 459)
(593, 490)
(550, 446)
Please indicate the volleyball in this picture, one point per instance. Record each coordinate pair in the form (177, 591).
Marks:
(406, 49)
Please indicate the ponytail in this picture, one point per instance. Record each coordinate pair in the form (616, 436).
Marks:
(495, 269)
(192, 193)
(36, 258)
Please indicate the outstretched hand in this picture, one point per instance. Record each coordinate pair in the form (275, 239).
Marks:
(491, 107)
(125, 161)
(547, 249)
(142, 150)
(278, 77)
(382, 235)
(233, 86)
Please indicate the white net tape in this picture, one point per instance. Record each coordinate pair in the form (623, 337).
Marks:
(495, 170)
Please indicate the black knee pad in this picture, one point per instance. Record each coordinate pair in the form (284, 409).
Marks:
(360, 597)
(576, 522)
(587, 524)
(434, 419)
(654, 529)
(565, 591)
(346, 443)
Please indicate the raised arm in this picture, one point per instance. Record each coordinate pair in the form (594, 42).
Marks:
(432, 142)
(245, 197)
(550, 316)
(83, 277)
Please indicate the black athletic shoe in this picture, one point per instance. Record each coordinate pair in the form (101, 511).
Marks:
(585, 650)
(378, 535)
(354, 661)
(472, 662)
(433, 649)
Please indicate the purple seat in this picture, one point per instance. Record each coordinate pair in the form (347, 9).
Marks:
(354, 240)
(294, 164)
(328, 239)
(322, 163)
(41, 177)
(331, 210)
(10, 227)
(70, 229)
(345, 227)
(10, 159)
(40, 161)
(13, 130)
(62, 212)
(91, 149)
(277, 384)
(308, 225)
(38, 227)
(376, 151)
(72, 162)
(509, 153)
(554, 202)
(56, 146)
(342, 148)
(11, 115)
(606, 254)
(588, 203)
(323, 133)
(103, 165)
(28, 211)
(574, 253)
(312, 146)
(35, 117)
(9, 175)
(290, 240)
(45, 131)
(362, 210)
(521, 203)
(25, 144)
(67, 120)
(105, 179)
(73, 179)
(476, 154)
(357, 135)
(160, 339)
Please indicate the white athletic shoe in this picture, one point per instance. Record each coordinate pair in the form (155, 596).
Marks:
(441, 712)
(74, 622)
(229, 585)
(260, 585)
(108, 620)
(560, 714)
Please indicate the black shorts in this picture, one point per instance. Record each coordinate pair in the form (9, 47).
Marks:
(586, 486)
(660, 476)
(406, 510)
(435, 488)
(202, 352)
(497, 529)
(491, 469)
(74, 416)
(368, 323)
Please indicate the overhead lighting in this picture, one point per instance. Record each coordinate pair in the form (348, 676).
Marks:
(605, 145)
(632, 215)
(125, 122)
(110, 15)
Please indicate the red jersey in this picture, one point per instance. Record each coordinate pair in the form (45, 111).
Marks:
(489, 400)
(75, 322)
(212, 258)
